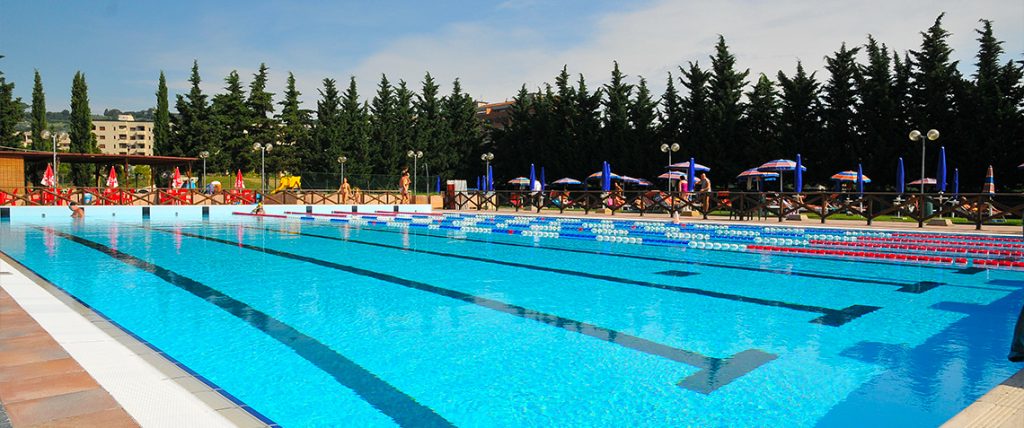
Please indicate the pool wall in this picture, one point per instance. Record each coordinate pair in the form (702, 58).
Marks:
(37, 214)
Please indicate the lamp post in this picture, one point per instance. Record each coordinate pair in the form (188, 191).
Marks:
(415, 155)
(263, 164)
(342, 160)
(203, 155)
(487, 158)
(665, 148)
(916, 135)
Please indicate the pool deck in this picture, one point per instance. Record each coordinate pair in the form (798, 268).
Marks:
(1002, 407)
(772, 221)
(62, 364)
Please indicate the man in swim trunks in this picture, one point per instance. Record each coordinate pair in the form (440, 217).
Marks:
(76, 210)
(403, 185)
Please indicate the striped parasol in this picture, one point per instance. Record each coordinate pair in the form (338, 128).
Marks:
(683, 166)
(753, 172)
(673, 175)
(520, 181)
(566, 181)
(926, 181)
(636, 181)
(599, 175)
(990, 182)
(849, 176)
(779, 165)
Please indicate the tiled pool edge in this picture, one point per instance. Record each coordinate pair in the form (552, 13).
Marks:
(1003, 406)
(229, 408)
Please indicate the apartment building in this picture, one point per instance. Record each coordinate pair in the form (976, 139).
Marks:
(124, 136)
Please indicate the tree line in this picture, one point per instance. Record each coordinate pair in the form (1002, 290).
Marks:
(730, 121)
(716, 111)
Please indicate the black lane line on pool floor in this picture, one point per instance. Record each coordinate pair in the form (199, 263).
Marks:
(904, 286)
(831, 317)
(714, 372)
(394, 403)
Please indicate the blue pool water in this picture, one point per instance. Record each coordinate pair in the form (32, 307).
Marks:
(428, 321)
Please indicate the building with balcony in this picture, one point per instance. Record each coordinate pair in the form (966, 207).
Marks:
(124, 136)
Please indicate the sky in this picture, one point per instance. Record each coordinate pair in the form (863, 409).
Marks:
(492, 47)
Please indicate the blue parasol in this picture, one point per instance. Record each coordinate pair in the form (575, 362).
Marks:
(533, 176)
(478, 182)
(900, 179)
(799, 181)
(543, 180)
(490, 178)
(438, 187)
(691, 176)
(606, 178)
(860, 179)
(956, 183)
(940, 174)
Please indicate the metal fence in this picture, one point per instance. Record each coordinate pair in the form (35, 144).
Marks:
(976, 208)
(120, 196)
(332, 181)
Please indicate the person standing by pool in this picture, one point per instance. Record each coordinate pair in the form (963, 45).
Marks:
(403, 185)
(344, 190)
(705, 189)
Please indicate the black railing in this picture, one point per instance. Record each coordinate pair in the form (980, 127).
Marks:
(976, 208)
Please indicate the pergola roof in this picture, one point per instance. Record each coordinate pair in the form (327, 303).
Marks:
(97, 158)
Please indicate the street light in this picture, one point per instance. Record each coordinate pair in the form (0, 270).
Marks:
(487, 158)
(203, 155)
(415, 155)
(263, 164)
(916, 135)
(342, 160)
(665, 148)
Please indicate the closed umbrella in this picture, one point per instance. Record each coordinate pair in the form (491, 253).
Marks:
(49, 179)
(437, 188)
(691, 176)
(799, 182)
(990, 182)
(239, 182)
(940, 171)
(533, 176)
(490, 178)
(860, 179)
(177, 182)
(900, 187)
(606, 178)
(112, 178)
(478, 182)
(543, 180)
(956, 183)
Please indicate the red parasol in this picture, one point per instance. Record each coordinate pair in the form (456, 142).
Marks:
(239, 183)
(49, 179)
(177, 181)
(112, 178)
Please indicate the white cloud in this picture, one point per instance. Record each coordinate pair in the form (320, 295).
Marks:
(650, 41)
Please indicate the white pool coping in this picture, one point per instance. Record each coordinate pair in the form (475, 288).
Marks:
(151, 396)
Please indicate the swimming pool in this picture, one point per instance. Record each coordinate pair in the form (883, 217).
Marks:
(483, 320)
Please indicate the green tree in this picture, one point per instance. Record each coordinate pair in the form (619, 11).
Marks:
(384, 135)
(403, 120)
(162, 144)
(320, 154)
(294, 130)
(842, 146)
(643, 114)
(11, 112)
(459, 113)
(432, 134)
(996, 99)
(192, 131)
(762, 122)
(262, 127)
(232, 117)
(935, 93)
(82, 138)
(725, 92)
(615, 140)
(38, 115)
(800, 121)
(696, 112)
(876, 116)
(585, 123)
(355, 120)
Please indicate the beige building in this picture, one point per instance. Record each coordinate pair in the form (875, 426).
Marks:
(124, 136)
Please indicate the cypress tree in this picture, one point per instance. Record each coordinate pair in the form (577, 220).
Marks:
(725, 94)
(294, 129)
(762, 122)
(262, 126)
(402, 124)
(431, 132)
(192, 131)
(877, 116)
(515, 135)
(842, 145)
(232, 117)
(459, 112)
(82, 138)
(356, 127)
(39, 115)
(615, 121)
(996, 99)
(936, 93)
(696, 112)
(11, 111)
(319, 155)
(162, 121)
(800, 124)
(384, 134)
(643, 112)
(671, 116)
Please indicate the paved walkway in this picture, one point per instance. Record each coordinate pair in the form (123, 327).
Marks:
(1002, 407)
